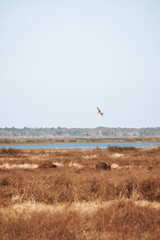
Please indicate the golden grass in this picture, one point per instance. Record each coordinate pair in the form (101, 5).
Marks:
(82, 207)
(76, 201)
(22, 166)
(117, 220)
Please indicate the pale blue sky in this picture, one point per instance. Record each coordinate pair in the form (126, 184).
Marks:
(59, 60)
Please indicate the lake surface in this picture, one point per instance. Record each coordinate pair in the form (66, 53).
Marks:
(80, 145)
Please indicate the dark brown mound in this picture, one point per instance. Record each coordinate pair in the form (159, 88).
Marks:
(103, 166)
(48, 165)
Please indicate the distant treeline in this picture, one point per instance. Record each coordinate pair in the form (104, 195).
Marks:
(99, 132)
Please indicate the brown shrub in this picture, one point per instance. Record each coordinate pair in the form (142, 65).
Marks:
(120, 149)
(5, 182)
(11, 151)
(150, 189)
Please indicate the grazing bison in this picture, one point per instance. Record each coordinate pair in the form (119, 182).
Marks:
(103, 166)
(48, 165)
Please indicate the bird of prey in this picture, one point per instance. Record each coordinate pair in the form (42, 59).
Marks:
(99, 111)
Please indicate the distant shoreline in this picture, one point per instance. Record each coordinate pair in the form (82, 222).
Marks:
(52, 135)
(10, 141)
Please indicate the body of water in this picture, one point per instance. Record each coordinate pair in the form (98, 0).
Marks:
(80, 145)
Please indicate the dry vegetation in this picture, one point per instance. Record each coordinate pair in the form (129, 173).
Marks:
(24, 140)
(76, 201)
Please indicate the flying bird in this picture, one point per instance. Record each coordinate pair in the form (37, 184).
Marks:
(99, 111)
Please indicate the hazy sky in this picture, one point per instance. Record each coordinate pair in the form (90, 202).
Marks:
(61, 59)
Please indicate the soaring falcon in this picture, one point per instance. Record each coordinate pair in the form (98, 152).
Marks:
(99, 111)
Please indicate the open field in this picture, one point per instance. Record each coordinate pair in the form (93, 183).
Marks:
(76, 201)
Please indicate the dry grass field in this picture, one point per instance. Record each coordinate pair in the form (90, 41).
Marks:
(77, 201)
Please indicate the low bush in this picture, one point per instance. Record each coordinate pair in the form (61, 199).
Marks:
(120, 149)
(10, 151)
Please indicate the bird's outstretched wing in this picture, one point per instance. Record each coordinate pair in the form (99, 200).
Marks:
(99, 111)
